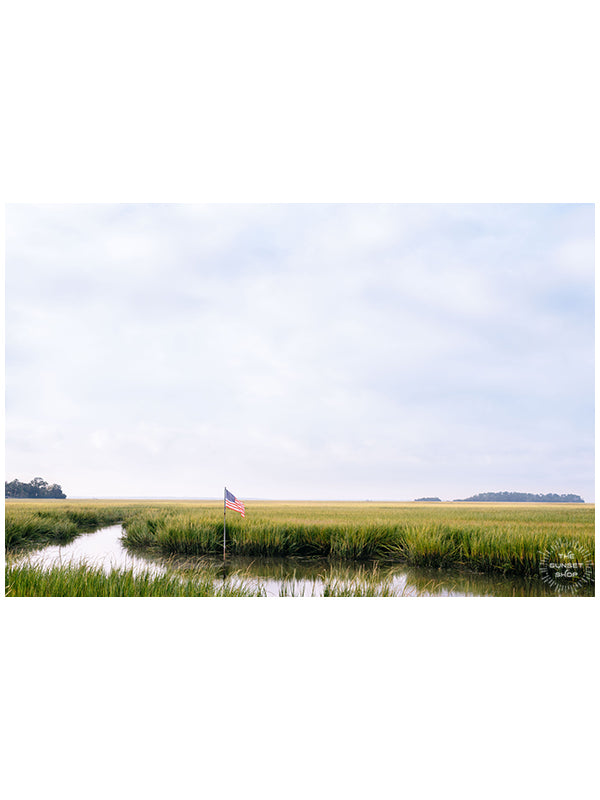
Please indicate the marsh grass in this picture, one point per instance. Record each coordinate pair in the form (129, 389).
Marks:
(495, 538)
(85, 580)
(33, 523)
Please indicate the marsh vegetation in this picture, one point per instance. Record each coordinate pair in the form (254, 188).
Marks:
(87, 580)
(31, 523)
(331, 549)
(486, 538)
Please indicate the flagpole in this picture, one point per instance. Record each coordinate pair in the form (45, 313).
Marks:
(224, 518)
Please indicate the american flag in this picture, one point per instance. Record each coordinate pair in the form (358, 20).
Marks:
(233, 503)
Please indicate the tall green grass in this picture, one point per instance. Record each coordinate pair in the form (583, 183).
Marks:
(498, 538)
(33, 523)
(84, 580)
(483, 537)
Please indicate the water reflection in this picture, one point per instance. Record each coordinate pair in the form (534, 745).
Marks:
(294, 576)
(102, 548)
(309, 575)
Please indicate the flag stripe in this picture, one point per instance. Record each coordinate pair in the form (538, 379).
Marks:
(234, 504)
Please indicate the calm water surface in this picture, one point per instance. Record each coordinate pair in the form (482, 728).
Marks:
(300, 577)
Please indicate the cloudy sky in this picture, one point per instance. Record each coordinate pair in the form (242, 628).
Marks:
(301, 351)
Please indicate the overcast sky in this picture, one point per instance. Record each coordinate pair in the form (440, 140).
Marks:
(301, 351)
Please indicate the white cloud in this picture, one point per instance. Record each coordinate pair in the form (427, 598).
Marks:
(310, 350)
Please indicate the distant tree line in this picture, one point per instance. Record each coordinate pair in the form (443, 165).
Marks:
(521, 497)
(427, 500)
(38, 487)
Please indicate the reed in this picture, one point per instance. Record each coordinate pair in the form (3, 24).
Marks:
(495, 538)
(481, 537)
(84, 580)
(32, 523)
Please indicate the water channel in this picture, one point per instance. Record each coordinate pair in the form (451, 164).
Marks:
(298, 577)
